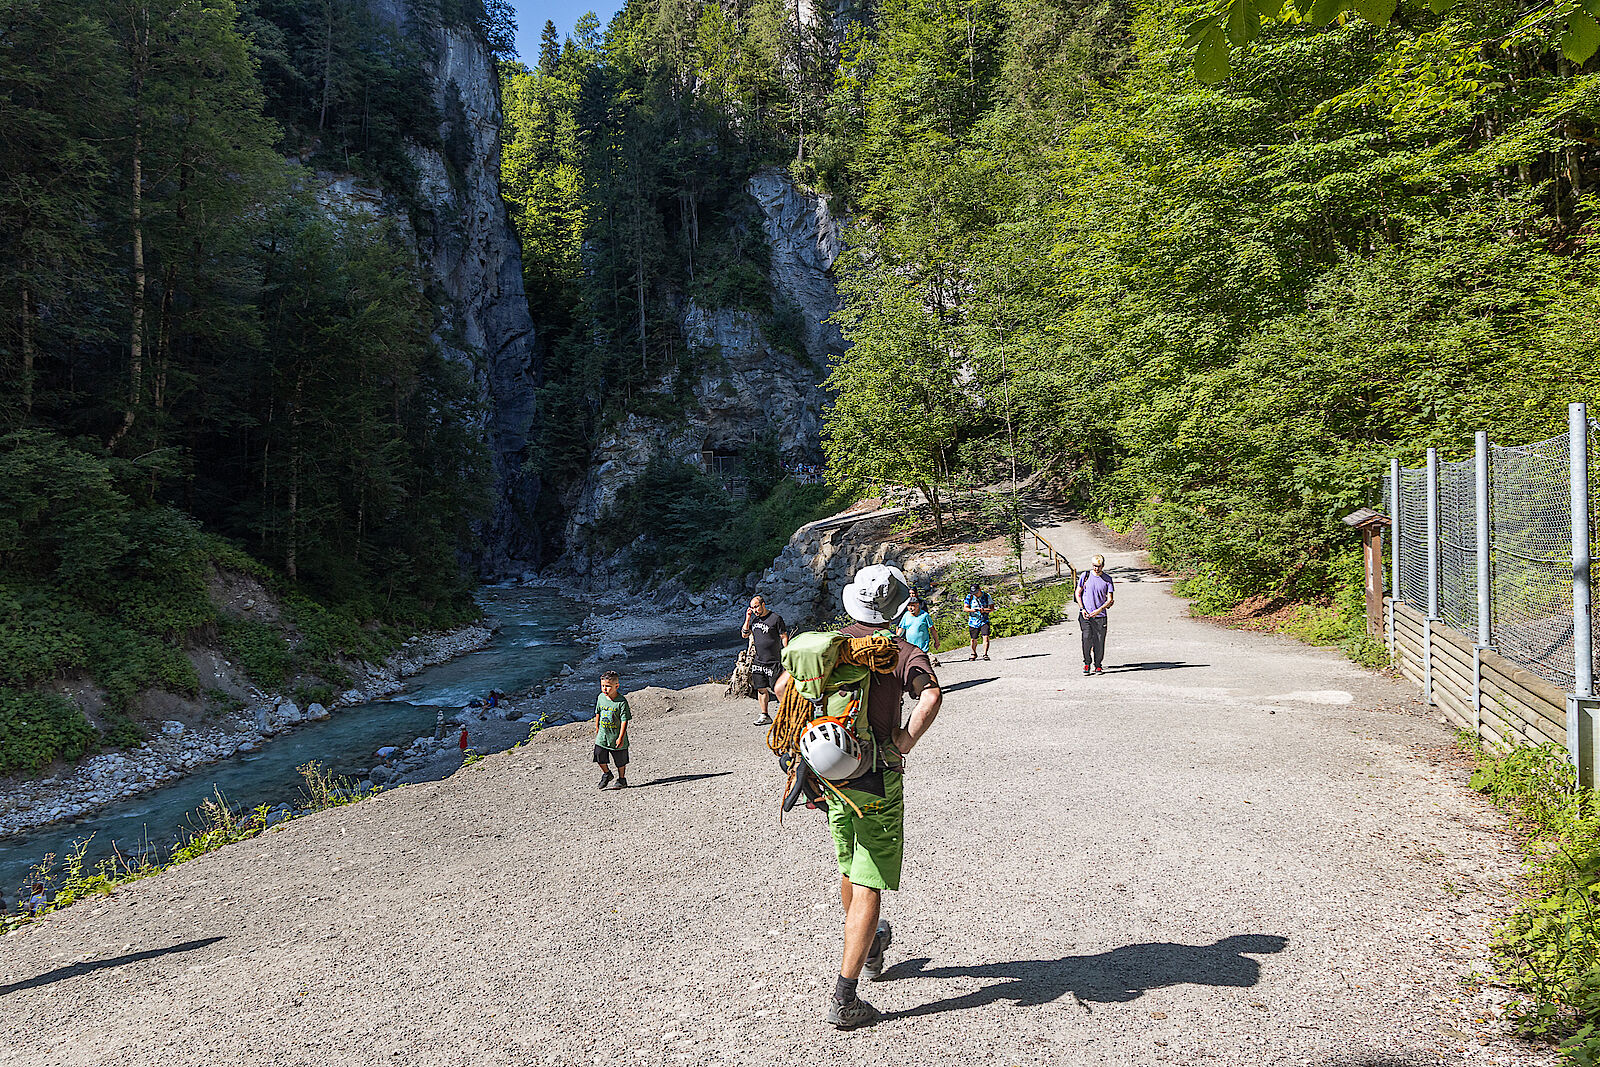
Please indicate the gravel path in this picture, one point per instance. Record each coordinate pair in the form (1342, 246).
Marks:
(1230, 849)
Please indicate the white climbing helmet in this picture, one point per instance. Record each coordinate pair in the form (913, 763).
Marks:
(832, 751)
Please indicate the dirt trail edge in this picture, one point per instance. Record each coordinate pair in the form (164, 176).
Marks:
(1229, 849)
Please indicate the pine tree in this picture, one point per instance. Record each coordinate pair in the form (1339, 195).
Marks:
(549, 48)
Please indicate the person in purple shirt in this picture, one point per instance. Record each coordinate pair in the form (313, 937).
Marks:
(1096, 592)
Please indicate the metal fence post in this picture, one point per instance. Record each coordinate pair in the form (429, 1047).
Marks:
(1480, 480)
(1433, 575)
(1394, 547)
(1581, 732)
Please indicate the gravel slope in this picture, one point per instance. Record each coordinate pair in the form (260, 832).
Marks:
(1209, 859)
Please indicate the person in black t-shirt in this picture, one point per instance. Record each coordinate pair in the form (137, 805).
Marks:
(768, 636)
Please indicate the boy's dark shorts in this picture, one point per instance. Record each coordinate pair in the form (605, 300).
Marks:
(601, 755)
(765, 675)
(975, 632)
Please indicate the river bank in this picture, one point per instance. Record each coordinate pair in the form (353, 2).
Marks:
(178, 750)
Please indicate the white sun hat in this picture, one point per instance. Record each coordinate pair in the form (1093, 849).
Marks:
(878, 595)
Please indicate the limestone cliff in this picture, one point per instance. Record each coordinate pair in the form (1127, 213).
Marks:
(469, 251)
(750, 386)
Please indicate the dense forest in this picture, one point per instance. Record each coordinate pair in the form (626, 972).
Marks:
(1212, 311)
(201, 363)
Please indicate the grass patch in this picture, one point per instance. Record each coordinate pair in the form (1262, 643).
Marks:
(1549, 950)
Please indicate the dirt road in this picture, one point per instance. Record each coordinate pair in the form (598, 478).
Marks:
(1229, 849)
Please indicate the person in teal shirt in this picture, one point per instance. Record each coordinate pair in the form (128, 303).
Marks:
(611, 716)
(916, 625)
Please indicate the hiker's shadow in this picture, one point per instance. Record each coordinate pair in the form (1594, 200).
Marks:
(1113, 977)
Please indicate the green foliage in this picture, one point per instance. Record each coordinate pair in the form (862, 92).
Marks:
(258, 649)
(681, 521)
(1016, 612)
(1214, 312)
(1239, 22)
(36, 728)
(1550, 947)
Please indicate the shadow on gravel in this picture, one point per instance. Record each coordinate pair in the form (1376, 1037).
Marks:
(1114, 977)
(1154, 665)
(678, 778)
(72, 970)
(1032, 655)
(968, 684)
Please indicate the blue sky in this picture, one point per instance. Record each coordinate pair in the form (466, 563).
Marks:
(531, 15)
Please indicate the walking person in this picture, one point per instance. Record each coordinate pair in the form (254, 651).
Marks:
(768, 637)
(1096, 592)
(611, 718)
(916, 626)
(978, 605)
(869, 838)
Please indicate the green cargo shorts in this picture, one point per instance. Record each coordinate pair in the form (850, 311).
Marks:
(871, 845)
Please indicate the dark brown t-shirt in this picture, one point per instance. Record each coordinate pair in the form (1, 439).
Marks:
(883, 701)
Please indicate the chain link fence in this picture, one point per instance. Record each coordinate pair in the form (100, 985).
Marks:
(1530, 550)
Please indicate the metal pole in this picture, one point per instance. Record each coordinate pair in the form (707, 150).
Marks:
(1433, 575)
(1394, 547)
(1485, 590)
(1433, 533)
(1481, 478)
(1582, 637)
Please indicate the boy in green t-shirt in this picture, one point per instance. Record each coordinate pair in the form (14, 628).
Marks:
(611, 717)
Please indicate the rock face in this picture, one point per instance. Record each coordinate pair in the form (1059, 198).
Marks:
(465, 242)
(805, 581)
(750, 386)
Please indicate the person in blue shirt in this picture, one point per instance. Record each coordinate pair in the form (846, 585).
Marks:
(978, 605)
(917, 627)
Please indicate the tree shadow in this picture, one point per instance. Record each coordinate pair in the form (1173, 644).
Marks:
(73, 970)
(678, 778)
(968, 684)
(1114, 977)
(1153, 665)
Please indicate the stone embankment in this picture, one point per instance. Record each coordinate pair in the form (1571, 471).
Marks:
(177, 749)
(804, 582)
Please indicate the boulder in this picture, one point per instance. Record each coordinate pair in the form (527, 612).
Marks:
(316, 713)
(288, 713)
(611, 650)
(172, 729)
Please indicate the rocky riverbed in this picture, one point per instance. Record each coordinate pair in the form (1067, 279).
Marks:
(178, 749)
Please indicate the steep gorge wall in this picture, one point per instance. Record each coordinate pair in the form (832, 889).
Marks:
(467, 247)
(751, 387)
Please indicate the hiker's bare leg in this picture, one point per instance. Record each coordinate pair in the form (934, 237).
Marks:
(861, 908)
(766, 695)
(985, 644)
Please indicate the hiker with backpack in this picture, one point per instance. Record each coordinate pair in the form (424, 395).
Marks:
(978, 606)
(840, 734)
(1095, 594)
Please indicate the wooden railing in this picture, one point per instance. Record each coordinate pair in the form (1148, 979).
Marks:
(1046, 547)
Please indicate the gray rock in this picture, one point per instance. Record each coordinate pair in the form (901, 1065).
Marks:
(172, 729)
(316, 713)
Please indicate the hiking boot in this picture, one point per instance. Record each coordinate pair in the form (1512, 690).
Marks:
(605, 779)
(873, 966)
(849, 1016)
(622, 783)
(1087, 668)
(1099, 670)
(765, 720)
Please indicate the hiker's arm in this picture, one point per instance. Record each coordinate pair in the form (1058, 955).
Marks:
(922, 716)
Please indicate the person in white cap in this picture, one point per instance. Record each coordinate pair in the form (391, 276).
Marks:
(870, 846)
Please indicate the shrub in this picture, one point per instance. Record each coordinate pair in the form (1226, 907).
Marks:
(36, 728)
(1550, 947)
(259, 649)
